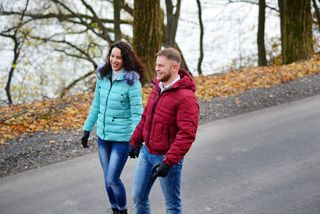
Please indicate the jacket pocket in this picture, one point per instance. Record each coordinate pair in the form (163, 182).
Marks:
(159, 140)
(124, 100)
(119, 119)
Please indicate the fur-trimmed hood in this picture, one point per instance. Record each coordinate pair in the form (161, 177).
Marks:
(130, 77)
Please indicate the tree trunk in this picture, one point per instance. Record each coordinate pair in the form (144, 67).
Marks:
(172, 22)
(14, 63)
(296, 30)
(316, 8)
(116, 16)
(18, 43)
(169, 37)
(262, 58)
(147, 33)
(201, 38)
(183, 63)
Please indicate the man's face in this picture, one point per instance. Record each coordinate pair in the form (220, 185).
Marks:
(165, 69)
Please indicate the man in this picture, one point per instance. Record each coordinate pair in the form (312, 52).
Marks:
(168, 128)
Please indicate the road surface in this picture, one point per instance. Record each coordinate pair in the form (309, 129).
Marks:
(264, 162)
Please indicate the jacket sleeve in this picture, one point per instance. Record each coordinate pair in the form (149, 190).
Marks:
(187, 123)
(94, 110)
(137, 137)
(135, 99)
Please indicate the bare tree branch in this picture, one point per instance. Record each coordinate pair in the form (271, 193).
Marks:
(126, 7)
(73, 83)
(70, 18)
(253, 2)
(59, 16)
(83, 53)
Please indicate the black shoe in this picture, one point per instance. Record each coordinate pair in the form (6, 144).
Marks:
(115, 211)
(122, 211)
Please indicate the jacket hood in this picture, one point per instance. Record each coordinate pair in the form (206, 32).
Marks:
(186, 81)
(130, 77)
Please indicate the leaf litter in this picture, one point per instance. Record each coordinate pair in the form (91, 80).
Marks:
(70, 112)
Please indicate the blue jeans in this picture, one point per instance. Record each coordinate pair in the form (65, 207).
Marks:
(113, 156)
(143, 181)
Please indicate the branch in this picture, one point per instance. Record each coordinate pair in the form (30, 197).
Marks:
(59, 16)
(83, 54)
(7, 35)
(252, 2)
(77, 18)
(72, 84)
(89, 8)
(126, 7)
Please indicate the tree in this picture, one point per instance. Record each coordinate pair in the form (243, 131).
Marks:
(169, 37)
(316, 9)
(172, 22)
(262, 58)
(87, 23)
(296, 30)
(117, 20)
(18, 37)
(147, 33)
(81, 35)
(201, 38)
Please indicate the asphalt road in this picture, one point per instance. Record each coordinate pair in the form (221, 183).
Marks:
(264, 162)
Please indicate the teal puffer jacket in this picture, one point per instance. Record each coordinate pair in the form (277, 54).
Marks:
(116, 107)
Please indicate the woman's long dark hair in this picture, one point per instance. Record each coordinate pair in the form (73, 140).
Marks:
(130, 60)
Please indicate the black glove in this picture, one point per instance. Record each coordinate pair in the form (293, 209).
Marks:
(134, 151)
(161, 169)
(84, 139)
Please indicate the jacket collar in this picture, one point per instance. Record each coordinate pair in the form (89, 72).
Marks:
(122, 75)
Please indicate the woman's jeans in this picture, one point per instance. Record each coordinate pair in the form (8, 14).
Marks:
(113, 156)
(143, 181)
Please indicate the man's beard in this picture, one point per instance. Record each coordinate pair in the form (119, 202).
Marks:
(165, 77)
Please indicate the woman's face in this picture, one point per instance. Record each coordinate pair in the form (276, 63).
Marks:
(116, 60)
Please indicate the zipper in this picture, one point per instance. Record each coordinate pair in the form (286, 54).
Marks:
(151, 119)
(115, 118)
(104, 114)
(168, 130)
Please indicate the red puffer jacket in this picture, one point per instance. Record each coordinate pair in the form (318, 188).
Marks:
(170, 119)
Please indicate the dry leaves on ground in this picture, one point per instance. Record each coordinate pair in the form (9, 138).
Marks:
(236, 82)
(70, 112)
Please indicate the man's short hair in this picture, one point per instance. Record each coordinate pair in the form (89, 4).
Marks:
(171, 54)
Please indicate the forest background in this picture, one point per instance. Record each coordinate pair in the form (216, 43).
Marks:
(50, 50)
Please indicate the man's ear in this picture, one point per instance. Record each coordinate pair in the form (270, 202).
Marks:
(176, 67)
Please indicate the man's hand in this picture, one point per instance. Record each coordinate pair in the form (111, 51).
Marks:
(134, 151)
(161, 169)
(84, 139)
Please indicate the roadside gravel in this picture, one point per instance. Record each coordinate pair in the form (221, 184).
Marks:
(34, 150)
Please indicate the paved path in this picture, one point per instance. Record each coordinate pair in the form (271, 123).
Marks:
(264, 162)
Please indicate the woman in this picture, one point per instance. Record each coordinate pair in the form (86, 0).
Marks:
(117, 108)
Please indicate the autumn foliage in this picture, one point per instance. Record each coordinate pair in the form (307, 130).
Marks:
(70, 112)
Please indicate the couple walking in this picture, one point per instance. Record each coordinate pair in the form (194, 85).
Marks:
(159, 136)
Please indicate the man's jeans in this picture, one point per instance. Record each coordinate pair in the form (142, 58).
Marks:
(113, 156)
(143, 181)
